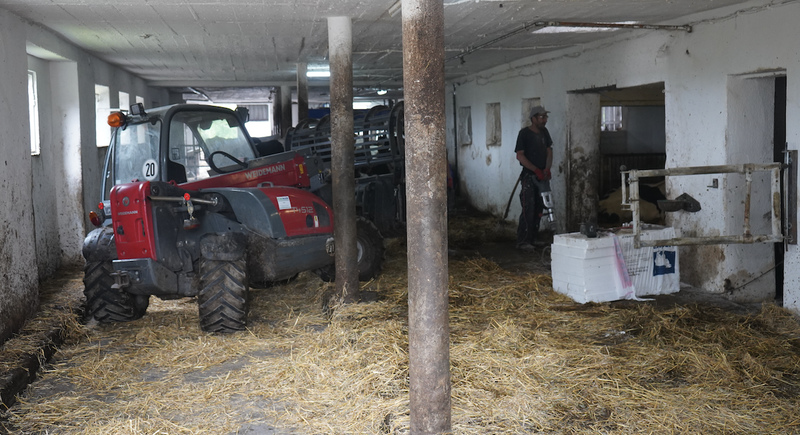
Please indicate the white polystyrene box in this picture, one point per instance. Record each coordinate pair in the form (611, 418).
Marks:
(582, 294)
(588, 258)
(587, 270)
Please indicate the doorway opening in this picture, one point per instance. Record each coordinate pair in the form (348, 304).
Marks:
(633, 136)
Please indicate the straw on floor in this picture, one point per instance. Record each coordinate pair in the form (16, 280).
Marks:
(524, 360)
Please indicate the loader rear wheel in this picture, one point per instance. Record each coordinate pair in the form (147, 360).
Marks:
(370, 253)
(106, 304)
(222, 300)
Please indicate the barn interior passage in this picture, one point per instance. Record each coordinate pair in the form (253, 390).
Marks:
(658, 86)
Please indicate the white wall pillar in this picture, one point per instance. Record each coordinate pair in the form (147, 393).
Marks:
(583, 159)
(286, 109)
(302, 91)
(67, 132)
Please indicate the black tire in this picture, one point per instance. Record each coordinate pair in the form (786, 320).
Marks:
(223, 297)
(370, 253)
(106, 304)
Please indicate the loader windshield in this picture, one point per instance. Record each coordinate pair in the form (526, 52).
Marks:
(195, 136)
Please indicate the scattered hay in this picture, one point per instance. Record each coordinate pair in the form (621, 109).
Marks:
(59, 299)
(524, 360)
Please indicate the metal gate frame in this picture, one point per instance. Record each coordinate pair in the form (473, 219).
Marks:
(630, 201)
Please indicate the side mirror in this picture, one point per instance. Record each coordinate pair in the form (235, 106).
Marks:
(137, 109)
(243, 113)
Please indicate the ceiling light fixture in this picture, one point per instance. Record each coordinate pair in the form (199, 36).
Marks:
(571, 27)
(394, 9)
(382, 91)
(318, 74)
(581, 27)
(548, 24)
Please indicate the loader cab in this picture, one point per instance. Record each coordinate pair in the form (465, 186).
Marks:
(178, 144)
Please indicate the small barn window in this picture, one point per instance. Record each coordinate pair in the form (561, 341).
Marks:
(465, 125)
(33, 113)
(259, 124)
(124, 101)
(611, 118)
(494, 130)
(102, 107)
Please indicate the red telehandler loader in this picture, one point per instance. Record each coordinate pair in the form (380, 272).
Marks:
(189, 209)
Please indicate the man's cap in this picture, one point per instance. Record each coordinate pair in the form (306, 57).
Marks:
(538, 110)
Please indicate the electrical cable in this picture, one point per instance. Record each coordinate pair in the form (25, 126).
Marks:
(756, 278)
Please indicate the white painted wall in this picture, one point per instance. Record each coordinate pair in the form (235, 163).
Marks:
(699, 70)
(44, 199)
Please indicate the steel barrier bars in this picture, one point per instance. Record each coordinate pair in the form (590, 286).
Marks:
(631, 194)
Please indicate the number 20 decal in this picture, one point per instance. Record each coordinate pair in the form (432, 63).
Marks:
(150, 169)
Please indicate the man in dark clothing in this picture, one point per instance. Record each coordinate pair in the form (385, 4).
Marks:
(535, 153)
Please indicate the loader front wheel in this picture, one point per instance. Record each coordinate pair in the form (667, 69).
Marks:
(222, 300)
(107, 304)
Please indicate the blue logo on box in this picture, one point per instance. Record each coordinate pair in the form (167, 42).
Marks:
(663, 262)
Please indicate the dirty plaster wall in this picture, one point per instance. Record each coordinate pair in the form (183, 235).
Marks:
(720, 86)
(19, 285)
(487, 174)
(696, 68)
(74, 74)
(43, 199)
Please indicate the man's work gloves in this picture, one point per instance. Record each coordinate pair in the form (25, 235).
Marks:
(542, 175)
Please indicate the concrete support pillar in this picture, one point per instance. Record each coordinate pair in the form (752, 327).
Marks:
(583, 159)
(302, 92)
(426, 192)
(340, 47)
(286, 109)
